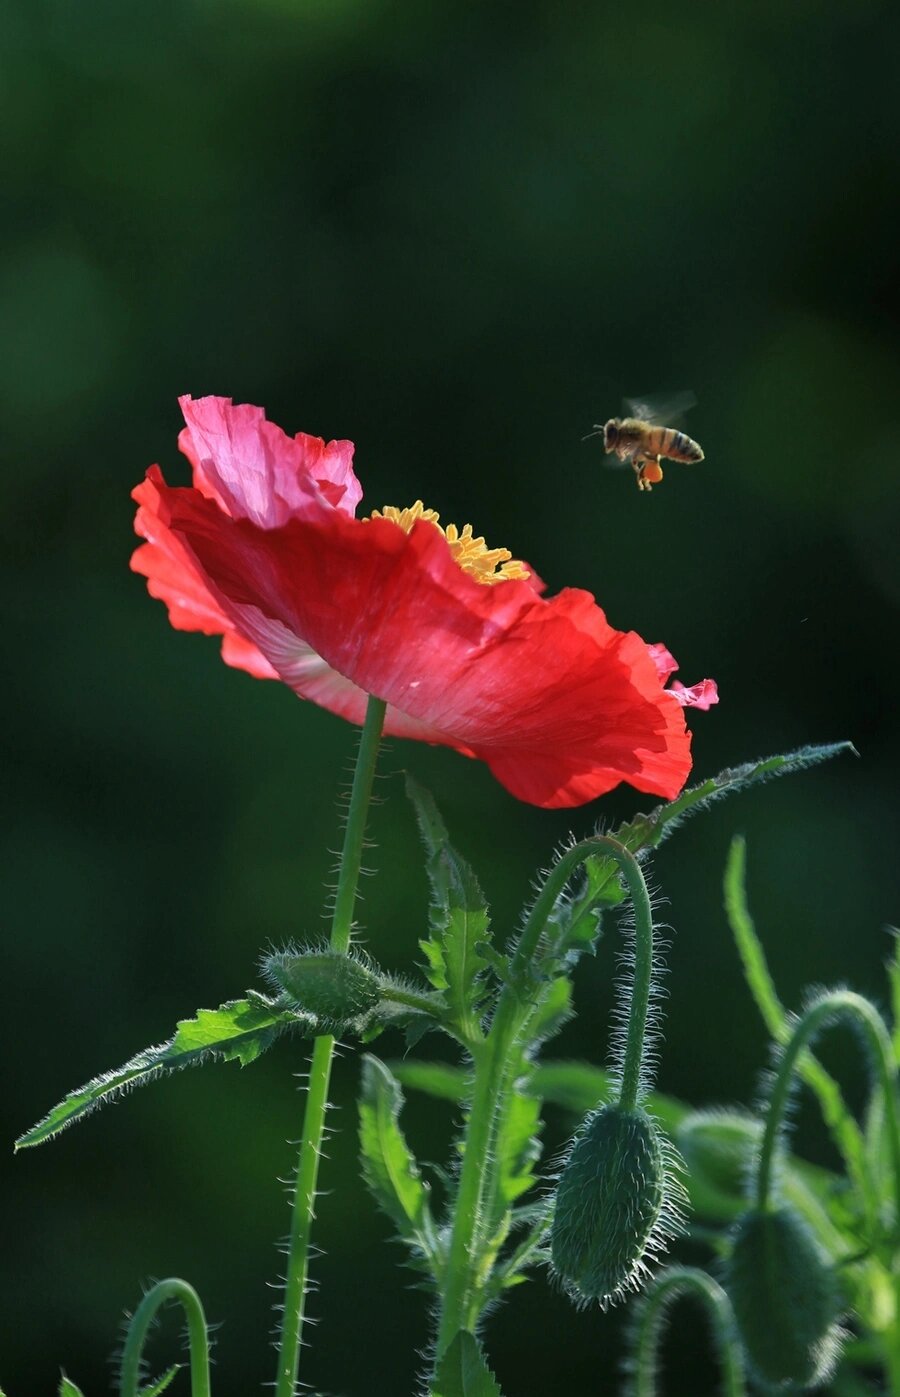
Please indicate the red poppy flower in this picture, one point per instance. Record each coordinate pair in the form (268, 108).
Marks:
(265, 551)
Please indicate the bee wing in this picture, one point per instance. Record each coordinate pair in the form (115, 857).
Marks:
(662, 410)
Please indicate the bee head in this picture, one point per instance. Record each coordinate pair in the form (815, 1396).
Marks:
(611, 434)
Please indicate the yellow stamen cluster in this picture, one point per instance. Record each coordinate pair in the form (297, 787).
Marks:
(487, 565)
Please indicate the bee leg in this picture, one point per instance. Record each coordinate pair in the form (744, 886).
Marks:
(651, 472)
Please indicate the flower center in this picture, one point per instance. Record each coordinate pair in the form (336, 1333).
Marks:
(487, 565)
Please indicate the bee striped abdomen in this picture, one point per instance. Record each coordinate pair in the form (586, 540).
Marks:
(680, 447)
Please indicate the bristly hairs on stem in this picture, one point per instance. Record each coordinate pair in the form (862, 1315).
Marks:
(650, 1315)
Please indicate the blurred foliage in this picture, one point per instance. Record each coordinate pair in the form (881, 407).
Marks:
(459, 235)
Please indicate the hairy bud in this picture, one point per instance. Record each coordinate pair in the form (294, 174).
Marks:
(785, 1299)
(337, 990)
(616, 1202)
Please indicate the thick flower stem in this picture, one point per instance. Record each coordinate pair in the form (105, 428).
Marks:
(173, 1289)
(320, 1067)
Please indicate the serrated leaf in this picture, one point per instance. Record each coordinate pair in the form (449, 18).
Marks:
(648, 831)
(158, 1387)
(518, 1148)
(458, 917)
(67, 1388)
(237, 1031)
(389, 1166)
(463, 1372)
(577, 916)
(554, 1009)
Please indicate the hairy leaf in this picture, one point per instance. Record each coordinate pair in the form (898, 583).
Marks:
(389, 1167)
(67, 1388)
(648, 831)
(433, 1078)
(462, 1372)
(517, 1149)
(458, 916)
(237, 1031)
(166, 1379)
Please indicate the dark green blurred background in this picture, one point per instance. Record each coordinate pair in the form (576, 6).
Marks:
(457, 234)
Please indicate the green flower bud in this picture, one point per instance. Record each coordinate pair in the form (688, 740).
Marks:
(616, 1203)
(337, 990)
(785, 1299)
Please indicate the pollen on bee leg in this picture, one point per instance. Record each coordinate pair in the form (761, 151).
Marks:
(650, 474)
(471, 554)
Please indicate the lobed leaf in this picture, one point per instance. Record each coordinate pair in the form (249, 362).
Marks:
(463, 1372)
(238, 1031)
(648, 831)
(389, 1166)
(458, 916)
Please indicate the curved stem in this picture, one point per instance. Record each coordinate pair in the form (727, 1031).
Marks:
(320, 1067)
(187, 1297)
(493, 1078)
(670, 1286)
(827, 1009)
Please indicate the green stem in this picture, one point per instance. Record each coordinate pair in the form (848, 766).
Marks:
(652, 1313)
(462, 1257)
(187, 1297)
(320, 1067)
(837, 1004)
(460, 1305)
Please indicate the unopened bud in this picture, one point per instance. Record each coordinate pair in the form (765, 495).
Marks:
(614, 1204)
(336, 990)
(785, 1299)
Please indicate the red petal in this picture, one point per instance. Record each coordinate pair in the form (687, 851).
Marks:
(254, 471)
(702, 695)
(174, 578)
(560, 705)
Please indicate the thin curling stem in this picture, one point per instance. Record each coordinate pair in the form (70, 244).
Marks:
(837, 1004)
(651, 1317)
(323, 1053)
(189, 1300)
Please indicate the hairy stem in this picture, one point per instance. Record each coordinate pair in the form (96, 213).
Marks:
(653, 1312)
(839, 1004)
(189, 1300)
(320, 1067)
(494, 1075)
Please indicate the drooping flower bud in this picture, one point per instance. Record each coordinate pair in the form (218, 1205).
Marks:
(337, 990)
(785, 1299)
(616, 1203)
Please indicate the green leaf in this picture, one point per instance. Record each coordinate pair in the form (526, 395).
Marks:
(648, 831)
(237, 1031)
(518, 1148)
(162, 1382)
(553, 1010)
(458, 916)
(67, 1388)
(433, 1078)
(462, 1372)
(389, 1167)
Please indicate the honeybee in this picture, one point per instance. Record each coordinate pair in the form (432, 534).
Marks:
(642, 440)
